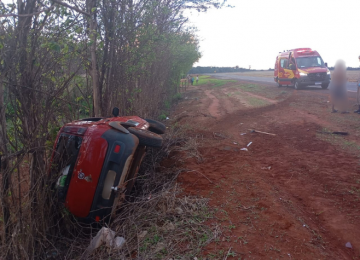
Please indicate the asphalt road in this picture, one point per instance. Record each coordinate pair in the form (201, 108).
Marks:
(351, 86)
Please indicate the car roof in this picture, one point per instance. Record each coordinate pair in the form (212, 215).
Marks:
(86, 122)
(299, 52)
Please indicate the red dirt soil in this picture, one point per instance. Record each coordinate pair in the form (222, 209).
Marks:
(290, 196)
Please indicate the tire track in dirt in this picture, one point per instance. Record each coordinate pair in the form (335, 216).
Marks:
(271, 101)
(214, 106)
(301, 208)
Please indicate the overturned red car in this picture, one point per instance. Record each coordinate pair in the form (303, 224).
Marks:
(95, 162)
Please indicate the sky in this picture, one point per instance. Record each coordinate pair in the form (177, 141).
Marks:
(255, 31)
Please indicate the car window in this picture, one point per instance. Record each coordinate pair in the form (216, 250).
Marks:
(283, 63)
(65, 157)
(307, 62)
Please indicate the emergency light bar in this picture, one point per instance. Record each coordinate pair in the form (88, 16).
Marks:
(305, 52)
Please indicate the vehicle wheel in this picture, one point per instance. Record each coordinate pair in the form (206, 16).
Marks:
(297, 85)
(324, 86)
(146, 137)
(156, 127)
(131, 178)
(277, 82)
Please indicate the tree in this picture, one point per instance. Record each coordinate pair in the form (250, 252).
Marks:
(63, 60)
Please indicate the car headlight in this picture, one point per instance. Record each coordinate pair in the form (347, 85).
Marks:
(302, 74)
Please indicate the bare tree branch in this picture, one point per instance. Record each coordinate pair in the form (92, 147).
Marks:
(71, 7)
(27, 15)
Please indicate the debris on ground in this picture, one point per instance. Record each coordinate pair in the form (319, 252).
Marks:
(266, 168)
(255, 131)
(244, 149)
(243, 134)
(219, 135)
(333, 133)
(348, 245)
(105, 235)
(249, 144)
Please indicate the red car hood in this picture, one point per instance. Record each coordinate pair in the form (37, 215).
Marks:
(313, 70)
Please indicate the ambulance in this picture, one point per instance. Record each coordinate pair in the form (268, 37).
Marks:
(301, 67)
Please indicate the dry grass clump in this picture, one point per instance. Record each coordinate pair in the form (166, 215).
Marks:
(161, 227)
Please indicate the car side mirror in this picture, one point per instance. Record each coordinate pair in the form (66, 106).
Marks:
(115, 111)
(292, 67)
(326, 64)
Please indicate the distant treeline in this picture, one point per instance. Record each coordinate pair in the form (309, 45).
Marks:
(203, 70)
(348, 68)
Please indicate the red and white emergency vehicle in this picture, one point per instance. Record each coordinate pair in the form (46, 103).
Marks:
(301, 67)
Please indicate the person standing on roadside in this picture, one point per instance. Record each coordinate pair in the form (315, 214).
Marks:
(338, 87)
(192, 80)
(358, 93)
(197, 79)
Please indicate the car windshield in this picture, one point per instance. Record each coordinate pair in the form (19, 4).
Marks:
(65, 156)
(307, 62)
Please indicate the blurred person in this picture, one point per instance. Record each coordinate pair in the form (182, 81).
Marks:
(192, 80)
(338, 87)
(358, 93)
(197, 79)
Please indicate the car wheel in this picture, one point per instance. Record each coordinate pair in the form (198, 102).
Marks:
(156, 127)
(324, 86)
(297, 85)
(146, 137)
(131, 178)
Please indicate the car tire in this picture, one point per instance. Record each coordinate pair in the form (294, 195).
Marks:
(324, 86)
(297, 85)
(156, 126)
(131, 178)
(146, 137)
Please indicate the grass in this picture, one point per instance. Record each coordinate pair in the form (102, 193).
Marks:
(252, 88)
(265, 91)
(256, 102)
(215, 83)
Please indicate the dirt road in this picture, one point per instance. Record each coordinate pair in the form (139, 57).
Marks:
(351, 86)
(294, 195)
